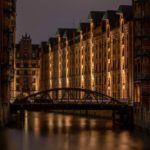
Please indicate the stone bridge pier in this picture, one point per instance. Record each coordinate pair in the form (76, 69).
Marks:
(123, 118)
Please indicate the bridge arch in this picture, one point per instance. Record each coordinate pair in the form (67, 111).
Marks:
(69, 95)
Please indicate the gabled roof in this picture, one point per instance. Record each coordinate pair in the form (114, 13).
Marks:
(96, 16)
(61, 31)
(84, 26)
(70, 33)
(53, 41)
(126, 10)
(112, 16)
(65, 31)
(45, 47)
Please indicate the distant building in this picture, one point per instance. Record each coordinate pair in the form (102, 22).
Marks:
(27, 74)
(7, 48)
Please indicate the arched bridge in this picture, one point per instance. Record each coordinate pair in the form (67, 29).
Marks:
(68, 98)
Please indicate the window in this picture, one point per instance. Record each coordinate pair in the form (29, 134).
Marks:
(17, 54)
(18, 65)
(25, 55)
(25, 65)
(17, 80)
(33, 72)
(33, 80)
(33, 54)
(17, 88)
(33, 88)
(25, 72)
(139, 67)
(18, 72)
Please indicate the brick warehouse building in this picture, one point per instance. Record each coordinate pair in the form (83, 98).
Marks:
(7, 50)
(7, 47)
(27, 64)
(98, 55)
(141, 62)
(110, 53)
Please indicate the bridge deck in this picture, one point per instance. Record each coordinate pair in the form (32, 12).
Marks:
(68, 106)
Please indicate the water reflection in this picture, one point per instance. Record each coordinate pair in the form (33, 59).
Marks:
(45, 131)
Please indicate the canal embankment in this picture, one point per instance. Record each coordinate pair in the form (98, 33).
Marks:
(142, 118)
(4, 114)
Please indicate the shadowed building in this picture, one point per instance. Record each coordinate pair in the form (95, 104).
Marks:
(7, 48)
(27, 73)
(142, 62)
(142, 51)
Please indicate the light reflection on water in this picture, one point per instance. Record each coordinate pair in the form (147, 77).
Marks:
(48, 131)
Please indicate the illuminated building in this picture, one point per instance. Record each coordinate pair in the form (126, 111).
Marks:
(45, 66)
(27, 74)
(86, 72)
(97, 56)
(97, 50)
(7, 48)
(100, 54)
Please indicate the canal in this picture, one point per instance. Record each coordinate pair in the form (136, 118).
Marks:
(49, 131)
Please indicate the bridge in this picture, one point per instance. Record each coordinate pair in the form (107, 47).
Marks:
(74, 99)
(68, 98)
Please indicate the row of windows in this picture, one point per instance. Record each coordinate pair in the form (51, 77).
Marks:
(26, 65)
(25, 80)
(25, 72)
(25, 88)
(26, 55)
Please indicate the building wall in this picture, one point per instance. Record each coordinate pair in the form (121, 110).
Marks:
(142, 51)
(7, 51)
(27, 71)
(45, 66)
(141, 63)
(98, 59)
(7, 48)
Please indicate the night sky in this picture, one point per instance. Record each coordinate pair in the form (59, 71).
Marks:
(42, 18)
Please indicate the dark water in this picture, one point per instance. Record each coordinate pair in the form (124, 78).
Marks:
(48, 131)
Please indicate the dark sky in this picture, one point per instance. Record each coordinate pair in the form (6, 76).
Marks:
(42, 18)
